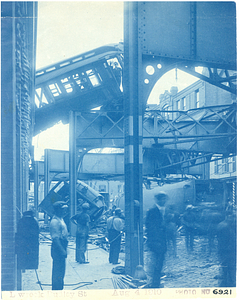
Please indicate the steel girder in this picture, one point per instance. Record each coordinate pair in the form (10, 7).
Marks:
(191, 130)
(71, 85)
(173, 141)
(89, 81)
(187, 35)
(154, 67)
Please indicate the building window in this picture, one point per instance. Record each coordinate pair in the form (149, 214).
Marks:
(120, 188)
(179, 104)
(225, 166)
(165, 108)
(184, 101)
(216, 167)
(234, 164)
(102, 188)
(197, 103)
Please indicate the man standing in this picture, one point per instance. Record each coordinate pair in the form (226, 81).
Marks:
(189, 223)
(227, 244)
(156, 236)
(115, 225)
(27, 241)
(59, 233)
(172, 223)
(82, 221)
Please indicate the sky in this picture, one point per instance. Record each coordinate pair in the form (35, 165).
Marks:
(66, 29)
(69, 28)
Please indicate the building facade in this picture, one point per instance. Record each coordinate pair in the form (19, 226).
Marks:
(199, 94)
(202, 94)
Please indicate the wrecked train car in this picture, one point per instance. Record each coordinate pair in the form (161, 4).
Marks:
(60, 192)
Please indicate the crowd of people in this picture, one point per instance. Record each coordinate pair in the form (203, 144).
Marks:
(162, 223)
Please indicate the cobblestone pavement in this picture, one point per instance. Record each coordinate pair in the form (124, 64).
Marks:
(196, 269)
(189, 270)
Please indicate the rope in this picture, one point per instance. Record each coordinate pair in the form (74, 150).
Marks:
(38, 281)
(87, 283)
(69, 284)
(114, 238)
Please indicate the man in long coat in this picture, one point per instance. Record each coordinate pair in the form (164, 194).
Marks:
(156, 236)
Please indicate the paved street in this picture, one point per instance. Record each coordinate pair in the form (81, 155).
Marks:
(95, 275)
(198, 269)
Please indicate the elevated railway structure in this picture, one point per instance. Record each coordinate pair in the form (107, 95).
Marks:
(103, 94)
(90, 85)
(87, 92)
(158, 36)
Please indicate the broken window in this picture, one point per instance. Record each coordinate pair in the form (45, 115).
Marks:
(81, 80)
(67, 85)
(93, 77)
(55, 90)
(116, 70)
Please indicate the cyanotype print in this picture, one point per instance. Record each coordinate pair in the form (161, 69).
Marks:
(119, 149)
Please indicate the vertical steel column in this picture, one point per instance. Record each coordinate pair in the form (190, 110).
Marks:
(19, 171)
(36, 188)
(25, 181)
(72, 166)
(46, 173)
(46, 179)
(133, 137)
(193, 30)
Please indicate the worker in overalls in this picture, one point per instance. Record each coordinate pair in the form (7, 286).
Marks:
(59, 233)
(82, 221)
(115, 225)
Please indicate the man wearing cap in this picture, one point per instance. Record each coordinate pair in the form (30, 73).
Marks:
(115, 225)
(82, 221)
(156, 237)
(59, 233)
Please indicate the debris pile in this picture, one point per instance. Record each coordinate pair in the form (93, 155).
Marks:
(99, 240)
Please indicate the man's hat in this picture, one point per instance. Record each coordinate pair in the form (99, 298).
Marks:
(28, 213)
(189, 207)
(118, 211)
(60, 204)
(161, 195)
(136, 203)
(85, 206)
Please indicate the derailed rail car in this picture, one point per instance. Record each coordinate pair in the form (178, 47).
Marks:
(199, 193)
(60, 192)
